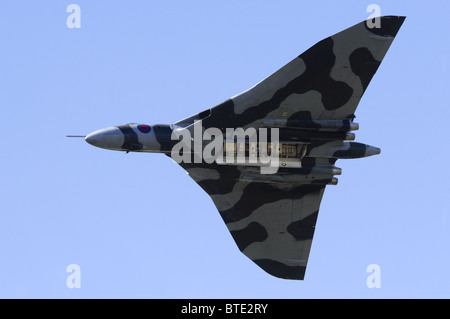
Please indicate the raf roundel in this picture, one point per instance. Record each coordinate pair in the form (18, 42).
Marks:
(144, 128)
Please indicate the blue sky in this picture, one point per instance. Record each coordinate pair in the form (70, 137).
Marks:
(136, 224)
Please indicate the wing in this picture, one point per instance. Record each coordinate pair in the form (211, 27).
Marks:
(326, 82)
(272, 222)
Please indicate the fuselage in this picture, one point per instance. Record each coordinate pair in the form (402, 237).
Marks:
(161, 138)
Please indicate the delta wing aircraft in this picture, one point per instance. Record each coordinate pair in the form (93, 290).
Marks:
(309, 105)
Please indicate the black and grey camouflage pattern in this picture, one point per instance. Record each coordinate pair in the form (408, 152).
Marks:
(313, 99)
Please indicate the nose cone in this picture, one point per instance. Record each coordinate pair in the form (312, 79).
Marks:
(110, 138)
(372, 150)
(93, 138)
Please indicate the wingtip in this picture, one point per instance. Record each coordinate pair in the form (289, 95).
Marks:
(281, 270)
(387, 26)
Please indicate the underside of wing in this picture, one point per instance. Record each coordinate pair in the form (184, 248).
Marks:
(326, 82)
(272, 223)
